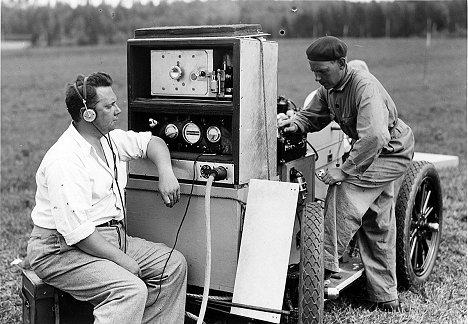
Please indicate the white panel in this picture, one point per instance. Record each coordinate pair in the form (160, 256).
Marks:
(190, 63)
(265, 247)
(440, 161)
(150, 219)
(257, 115)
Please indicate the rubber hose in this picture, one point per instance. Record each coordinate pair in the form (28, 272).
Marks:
(206, 288)
(192, 316)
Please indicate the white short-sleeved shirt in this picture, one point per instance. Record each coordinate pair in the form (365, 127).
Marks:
(76, 189)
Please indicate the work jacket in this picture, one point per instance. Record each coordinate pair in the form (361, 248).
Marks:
(367, 114)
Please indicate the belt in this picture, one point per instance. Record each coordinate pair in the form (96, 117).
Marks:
(112, 222)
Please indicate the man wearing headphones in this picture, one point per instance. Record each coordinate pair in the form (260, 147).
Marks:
(79, 242)
(360, 193)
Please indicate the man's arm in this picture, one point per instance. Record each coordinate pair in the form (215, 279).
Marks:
(169, 188)
(99, 247)
(69, 193)
(314, 117)
(371, 127)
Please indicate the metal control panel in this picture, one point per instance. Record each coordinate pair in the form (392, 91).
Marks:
(184, 169)
(211, 99)
(183, 73)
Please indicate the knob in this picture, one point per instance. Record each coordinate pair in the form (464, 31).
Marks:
(152, 123)
(175, 72)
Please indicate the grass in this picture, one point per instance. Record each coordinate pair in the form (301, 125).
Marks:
(33, 116)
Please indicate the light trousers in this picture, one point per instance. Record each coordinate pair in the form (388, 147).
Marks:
(364, 206)
(118, 296)
(369, 213)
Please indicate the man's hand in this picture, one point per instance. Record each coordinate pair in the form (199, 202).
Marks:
(333, 176)
(129, 264)
(169, 188)
(285, 124)
(95, 244)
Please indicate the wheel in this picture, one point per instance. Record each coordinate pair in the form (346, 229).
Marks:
(311, 265)
(418, 211)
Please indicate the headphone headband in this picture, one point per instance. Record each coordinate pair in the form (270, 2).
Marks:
(89, 115)
(84, 88)
(83, 98)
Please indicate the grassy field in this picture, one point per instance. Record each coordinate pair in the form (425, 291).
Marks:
(434, 104)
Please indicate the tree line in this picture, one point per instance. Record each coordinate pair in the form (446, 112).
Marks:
(62, 24)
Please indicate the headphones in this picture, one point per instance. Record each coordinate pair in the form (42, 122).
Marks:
(89, 114)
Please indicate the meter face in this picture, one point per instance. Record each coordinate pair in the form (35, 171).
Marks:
(191, 133)
(181, 72)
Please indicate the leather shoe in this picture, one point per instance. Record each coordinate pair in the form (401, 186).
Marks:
(390, 306)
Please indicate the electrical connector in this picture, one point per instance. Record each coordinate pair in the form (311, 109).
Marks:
(219, 173)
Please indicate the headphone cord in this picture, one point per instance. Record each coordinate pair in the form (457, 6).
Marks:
(116, 178)
(180, 225)
(114, 157)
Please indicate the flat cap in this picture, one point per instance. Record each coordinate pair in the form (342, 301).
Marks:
(327, 48)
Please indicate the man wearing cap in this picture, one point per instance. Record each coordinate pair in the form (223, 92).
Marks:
(360, 193)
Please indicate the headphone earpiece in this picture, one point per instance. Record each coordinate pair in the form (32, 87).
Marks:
(89, 114)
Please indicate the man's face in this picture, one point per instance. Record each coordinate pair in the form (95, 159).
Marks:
(107, 110)
(327, 73)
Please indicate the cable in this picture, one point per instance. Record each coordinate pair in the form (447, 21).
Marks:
(338, 152)
(315, 151)
(206, 284)
(116, 178)
(292, 102)
(224, 298)
(218, 173)
(114, 157)
(180, 225)
(192, 316)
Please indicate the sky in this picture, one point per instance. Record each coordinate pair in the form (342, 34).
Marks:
(128, 3)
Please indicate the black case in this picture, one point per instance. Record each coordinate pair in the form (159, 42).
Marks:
(43, 304)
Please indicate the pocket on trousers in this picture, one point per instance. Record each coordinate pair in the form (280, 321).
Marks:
(41, 248)
(50, 244)
(63, 245)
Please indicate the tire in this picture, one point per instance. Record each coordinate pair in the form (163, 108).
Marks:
(311, 266)
(419, 224)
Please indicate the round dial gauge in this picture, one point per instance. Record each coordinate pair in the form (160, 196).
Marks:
(213, 134)
(191, 133)
(171, 131)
